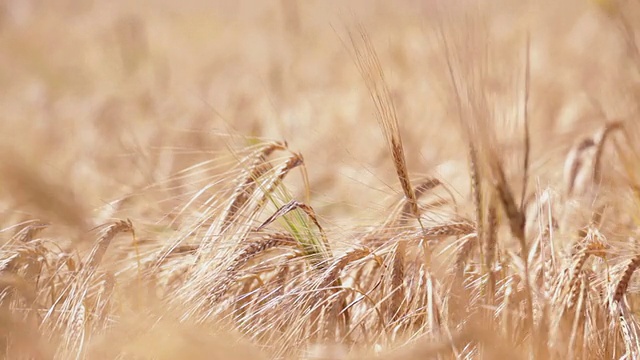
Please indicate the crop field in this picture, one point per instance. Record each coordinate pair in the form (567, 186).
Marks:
(289, 179)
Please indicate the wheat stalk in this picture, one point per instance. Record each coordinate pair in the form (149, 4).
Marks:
(254, 248)
(256, 167)
(371, 71)
(397, 280)
(625, 279)
(99, 250)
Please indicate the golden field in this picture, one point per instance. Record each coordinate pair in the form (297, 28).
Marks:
(319, 179)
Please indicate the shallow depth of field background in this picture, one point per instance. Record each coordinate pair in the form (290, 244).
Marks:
(111, 97)
(105, 100)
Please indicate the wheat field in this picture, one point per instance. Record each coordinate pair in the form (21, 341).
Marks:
(287, 179)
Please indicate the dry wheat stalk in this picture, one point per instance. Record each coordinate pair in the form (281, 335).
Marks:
(525, 120)
(601, 140)
(629, 329)
(280, 281)
(268, 300)
(476, 190)
(449, 229)
(548, 268)
(626, 336)
(397, 280)
(574, 275)
(292, 162)
(595, 245)
(579, 316)
(407, 207)
(32, 229)
(251, 250)
(517, 219)
(417, 291)
(318, 252)
(96, 255)
(335, 307)
(574, 175)
(625, 279)
(505, 306)
(399, 219)
(333, 272)
(491, 240)
(179, 250)
(469, 242)
(434, 319)
(517, 222)
(371, 71)
(256, 168)
(242, 299)
(290, 206)
(76, 333)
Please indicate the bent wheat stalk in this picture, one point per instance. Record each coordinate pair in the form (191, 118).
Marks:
(246, 186)
(625, 279)
(98, 252)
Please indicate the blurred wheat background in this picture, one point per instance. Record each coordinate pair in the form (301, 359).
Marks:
(208, 179)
